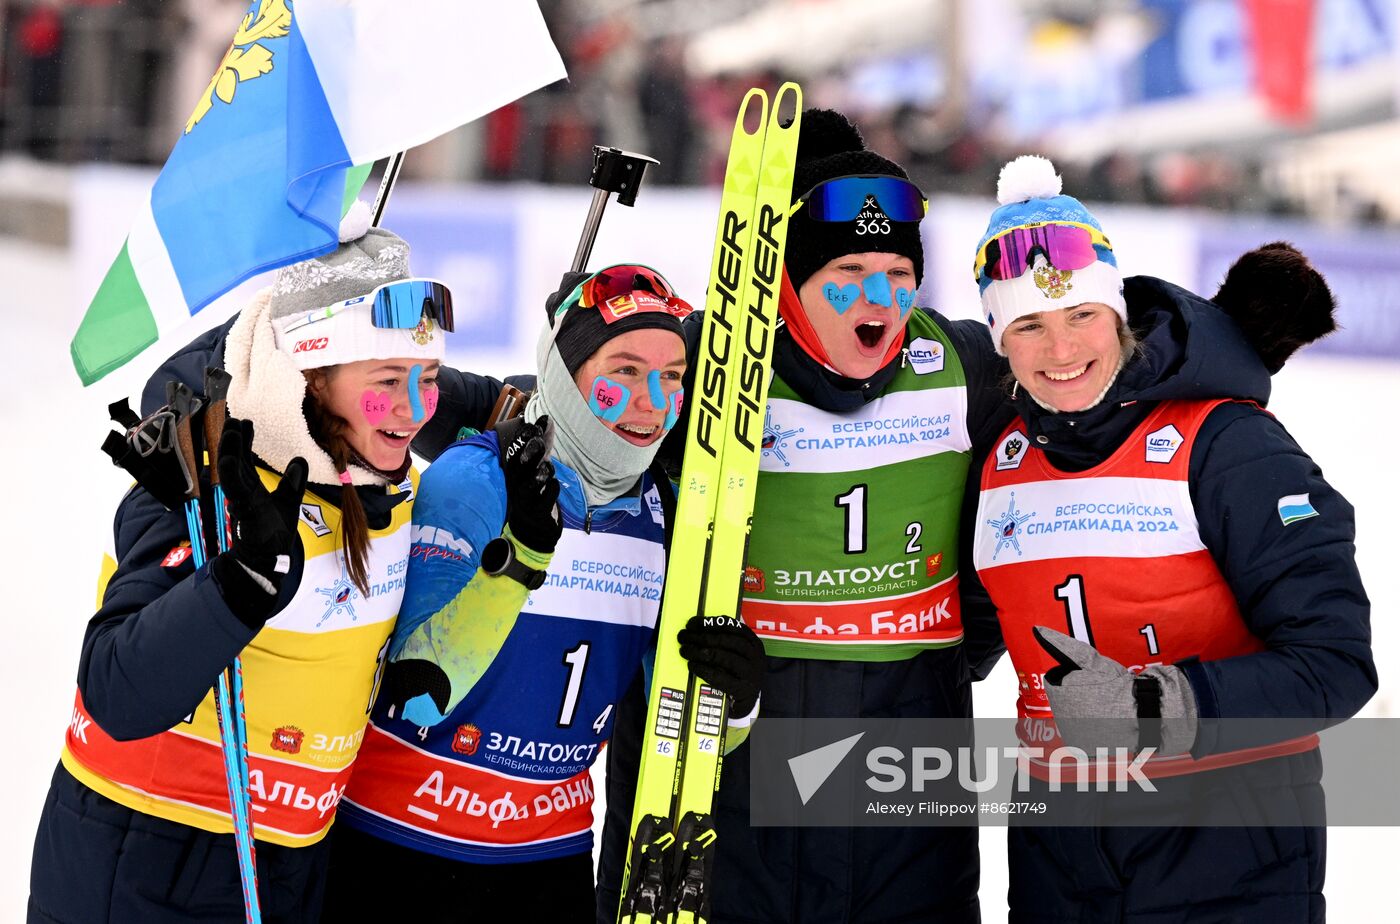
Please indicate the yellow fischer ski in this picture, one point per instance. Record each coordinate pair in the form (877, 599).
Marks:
(673, 834)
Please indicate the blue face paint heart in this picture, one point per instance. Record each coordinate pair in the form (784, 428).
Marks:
(608, 399)
(841, 297)
(877, 289)
(674, 411)
(904, 298)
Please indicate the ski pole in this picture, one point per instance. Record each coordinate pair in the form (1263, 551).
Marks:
(216, 383)
(158, 451)
(614, 171)
(386, 186)
(184, 405)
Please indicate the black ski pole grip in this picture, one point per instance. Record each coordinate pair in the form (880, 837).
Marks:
(614, 171)
(216, 383)
(122, 413)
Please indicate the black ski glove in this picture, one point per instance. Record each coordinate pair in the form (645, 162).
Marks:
(416, 690)
(726, 654)
(264, 526)
(567, 283)
(531, 488)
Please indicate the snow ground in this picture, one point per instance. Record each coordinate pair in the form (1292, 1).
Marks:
(57, 519)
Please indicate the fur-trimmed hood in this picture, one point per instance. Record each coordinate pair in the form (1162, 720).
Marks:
(269, 390)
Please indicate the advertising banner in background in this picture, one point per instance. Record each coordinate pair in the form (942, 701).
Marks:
(503, 249)
(470, 243)
(1361, 267)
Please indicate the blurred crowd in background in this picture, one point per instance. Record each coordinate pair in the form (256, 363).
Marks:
(949, 88)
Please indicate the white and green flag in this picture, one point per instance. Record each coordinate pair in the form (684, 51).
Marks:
(258, 178)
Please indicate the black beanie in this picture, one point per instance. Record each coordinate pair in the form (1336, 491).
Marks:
(829, 146)
(583, 331)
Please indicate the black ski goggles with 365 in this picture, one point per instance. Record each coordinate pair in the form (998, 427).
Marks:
(845, 197)
(397, 305)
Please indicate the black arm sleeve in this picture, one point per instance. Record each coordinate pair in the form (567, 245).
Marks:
(624, 763)
(1297, 584)
(163, 634)
(982, 640)
(465, 399)
(988, 403)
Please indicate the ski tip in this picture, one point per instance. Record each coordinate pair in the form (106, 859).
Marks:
(753, 112)
(787, 106)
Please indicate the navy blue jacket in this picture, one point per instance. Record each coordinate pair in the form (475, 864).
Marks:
(1297, 586)
(162, 634)
(160, 637)
(141, 676)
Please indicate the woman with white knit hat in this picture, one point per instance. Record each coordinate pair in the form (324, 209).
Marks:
(333, 373)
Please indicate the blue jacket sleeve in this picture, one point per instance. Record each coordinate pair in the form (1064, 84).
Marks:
(163, 634)
(1297, 585)
(461, 506)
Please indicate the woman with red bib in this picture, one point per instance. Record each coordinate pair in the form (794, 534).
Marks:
(1167, 562)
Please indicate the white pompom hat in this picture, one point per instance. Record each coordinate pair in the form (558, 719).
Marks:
(1029, 193)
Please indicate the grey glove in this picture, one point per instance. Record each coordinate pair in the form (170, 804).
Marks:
(1098, 703)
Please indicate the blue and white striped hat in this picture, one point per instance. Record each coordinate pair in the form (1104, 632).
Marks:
(1029, 193)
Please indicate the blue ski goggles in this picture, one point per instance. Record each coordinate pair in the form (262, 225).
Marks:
(397, 305)
(845, 197)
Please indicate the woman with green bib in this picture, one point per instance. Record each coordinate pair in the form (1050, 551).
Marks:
(851, 582)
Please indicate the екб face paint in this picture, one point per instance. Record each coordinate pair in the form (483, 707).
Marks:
(857, 306)
(608, 399)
